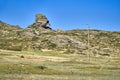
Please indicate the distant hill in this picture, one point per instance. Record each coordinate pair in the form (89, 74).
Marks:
(39, 36)
(5, 26)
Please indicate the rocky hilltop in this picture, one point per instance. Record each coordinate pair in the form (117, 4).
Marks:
(40, 36)
(41, 22)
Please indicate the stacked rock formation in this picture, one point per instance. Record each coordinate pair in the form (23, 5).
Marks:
(42, 21)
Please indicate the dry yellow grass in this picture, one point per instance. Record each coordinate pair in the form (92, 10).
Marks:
(52, 65)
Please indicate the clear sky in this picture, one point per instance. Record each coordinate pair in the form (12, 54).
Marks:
(64, 14)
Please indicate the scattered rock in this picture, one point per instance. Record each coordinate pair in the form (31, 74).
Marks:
(22, 56)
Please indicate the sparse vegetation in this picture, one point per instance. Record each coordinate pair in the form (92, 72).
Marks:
(40, 53)
(74, 41)
(48, 65)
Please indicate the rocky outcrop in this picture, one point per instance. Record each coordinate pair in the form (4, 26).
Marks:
(41, 21)
(39, 36)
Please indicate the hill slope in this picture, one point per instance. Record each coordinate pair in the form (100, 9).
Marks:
(72, 41)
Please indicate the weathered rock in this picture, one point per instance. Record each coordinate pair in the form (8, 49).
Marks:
(41, 21)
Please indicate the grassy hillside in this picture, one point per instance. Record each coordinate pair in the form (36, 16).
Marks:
(36, 53)
(72, 41)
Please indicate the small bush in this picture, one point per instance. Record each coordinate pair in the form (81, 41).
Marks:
(52, 45)
(34, 38)
(42, 67)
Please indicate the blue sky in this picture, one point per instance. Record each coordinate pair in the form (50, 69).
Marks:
(64, 14)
